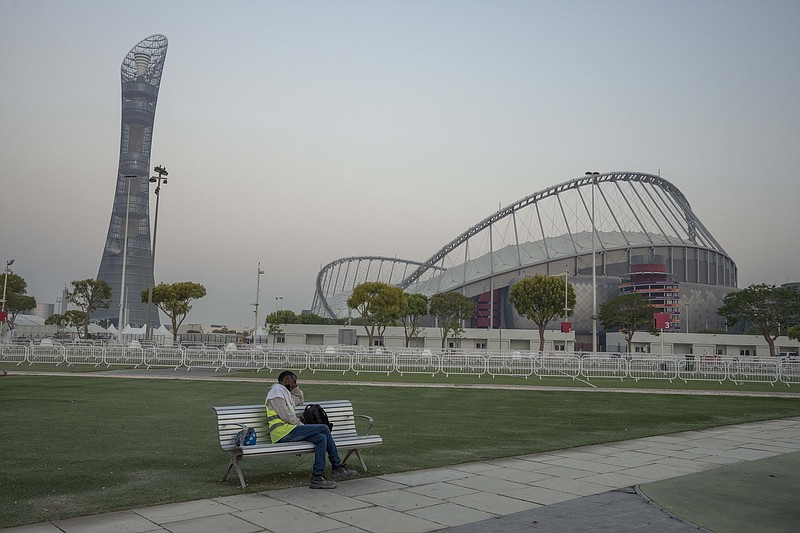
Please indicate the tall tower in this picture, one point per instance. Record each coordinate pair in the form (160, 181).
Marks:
(141, 77)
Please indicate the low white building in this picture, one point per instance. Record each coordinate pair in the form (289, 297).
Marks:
(528, 340)
(723, 344)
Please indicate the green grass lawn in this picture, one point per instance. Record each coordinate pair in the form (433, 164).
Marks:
(74, 446)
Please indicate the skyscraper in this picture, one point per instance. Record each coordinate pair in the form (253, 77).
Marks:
(128, 256)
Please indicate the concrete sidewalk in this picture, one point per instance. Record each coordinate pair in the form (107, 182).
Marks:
(581, 489)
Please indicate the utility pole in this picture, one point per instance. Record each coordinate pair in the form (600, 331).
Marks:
(258, 290)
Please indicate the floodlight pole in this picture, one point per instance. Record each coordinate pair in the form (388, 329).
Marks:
(594, 270)
(162, 173)
(124, 259)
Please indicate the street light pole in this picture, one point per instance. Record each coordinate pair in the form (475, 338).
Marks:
(124, 260)
(566, 303)
(5, 284)
(594, 270)
(162, 173)
(566, 286)
(258, 290)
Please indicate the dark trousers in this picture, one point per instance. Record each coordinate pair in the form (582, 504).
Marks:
(320, 436)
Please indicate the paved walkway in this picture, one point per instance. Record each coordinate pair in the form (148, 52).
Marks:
(581, 489)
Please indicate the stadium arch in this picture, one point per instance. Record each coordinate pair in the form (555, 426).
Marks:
(639, 222)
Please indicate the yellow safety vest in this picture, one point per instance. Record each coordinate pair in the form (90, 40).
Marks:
(277, 427)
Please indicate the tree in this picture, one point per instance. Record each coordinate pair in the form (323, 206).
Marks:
(16, 299)
(59, 321)
(378, 304)
(275, 320)
(19, 303)
(89, 294)
(311, 318)
(769, 308)
(173, 299)
(388, 309)
(628, 313)
(75, 319)
(16, 284)
(540, 299)
(794, 333)
(414, 307)
(450, 308)
(72, 318)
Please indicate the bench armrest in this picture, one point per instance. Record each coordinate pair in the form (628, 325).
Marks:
(369, 419)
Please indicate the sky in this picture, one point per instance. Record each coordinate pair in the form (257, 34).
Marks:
(298, 133)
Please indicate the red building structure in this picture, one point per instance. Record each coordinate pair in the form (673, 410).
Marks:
(652, 281)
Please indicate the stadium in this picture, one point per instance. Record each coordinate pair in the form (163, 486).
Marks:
(637, 229)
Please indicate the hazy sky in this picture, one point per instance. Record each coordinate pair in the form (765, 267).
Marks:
(297, 133)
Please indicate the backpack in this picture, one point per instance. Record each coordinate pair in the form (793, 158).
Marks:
(250, 437)
(314, 414)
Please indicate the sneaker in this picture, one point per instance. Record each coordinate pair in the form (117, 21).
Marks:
(342, 472)
(319, 482)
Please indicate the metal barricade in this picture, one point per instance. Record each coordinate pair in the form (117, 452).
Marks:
(294, 359)
(755, 371)
(203, 357)
(84, 354)
(790, 371)
(515, 364)
(467, 364)
(164, 357)
(706, 368)
(557, 366)
(653, 368)
(371, 361)
(330, 359)
(408, 361)
(46, 353)
(13, 353)
(244, 359)
(596, 366)
(123, 356)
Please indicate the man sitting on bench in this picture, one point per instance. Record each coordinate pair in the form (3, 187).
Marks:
(284, 426)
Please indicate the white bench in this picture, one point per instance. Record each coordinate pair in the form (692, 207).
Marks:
(231, 420)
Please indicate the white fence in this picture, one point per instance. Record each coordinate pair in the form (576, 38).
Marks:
(343, 359)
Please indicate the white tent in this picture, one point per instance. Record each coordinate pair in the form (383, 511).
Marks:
(163, 335)
(95, 329)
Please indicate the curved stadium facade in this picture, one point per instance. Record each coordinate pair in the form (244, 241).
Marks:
(646, 239)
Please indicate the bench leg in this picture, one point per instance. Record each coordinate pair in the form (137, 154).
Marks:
(234, 463)
(358, 454)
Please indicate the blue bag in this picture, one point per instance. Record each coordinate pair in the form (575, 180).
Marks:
(250, 438)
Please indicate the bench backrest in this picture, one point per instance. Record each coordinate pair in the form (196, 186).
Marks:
(340, 414)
